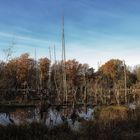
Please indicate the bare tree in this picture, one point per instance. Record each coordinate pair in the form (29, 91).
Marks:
(9, 51)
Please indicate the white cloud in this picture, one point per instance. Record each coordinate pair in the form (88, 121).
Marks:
(104, 51)
(20, 37)
(94, 52)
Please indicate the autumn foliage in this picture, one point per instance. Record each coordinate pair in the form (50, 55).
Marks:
(83, 83)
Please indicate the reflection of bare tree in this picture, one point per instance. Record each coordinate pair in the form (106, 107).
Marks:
(23, 115)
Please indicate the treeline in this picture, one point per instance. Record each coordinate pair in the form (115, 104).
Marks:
(112, 83)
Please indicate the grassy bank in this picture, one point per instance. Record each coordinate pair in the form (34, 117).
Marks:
(124, 130)
(112, 123)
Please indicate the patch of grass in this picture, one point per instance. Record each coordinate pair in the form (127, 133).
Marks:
(36, 131)
(112, 113)
(120, 130)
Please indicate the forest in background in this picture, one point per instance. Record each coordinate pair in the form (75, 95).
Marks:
(112, 83)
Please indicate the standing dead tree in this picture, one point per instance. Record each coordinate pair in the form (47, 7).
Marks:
(9, 51)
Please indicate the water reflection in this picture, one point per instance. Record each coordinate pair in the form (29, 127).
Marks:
(19, 116)
(51, 118)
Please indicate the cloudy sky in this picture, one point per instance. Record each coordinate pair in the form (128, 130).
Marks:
(95, 30)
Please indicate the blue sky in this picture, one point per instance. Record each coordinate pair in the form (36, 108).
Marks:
(95, 30)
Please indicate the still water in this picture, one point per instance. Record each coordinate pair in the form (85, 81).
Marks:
(53, 117)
